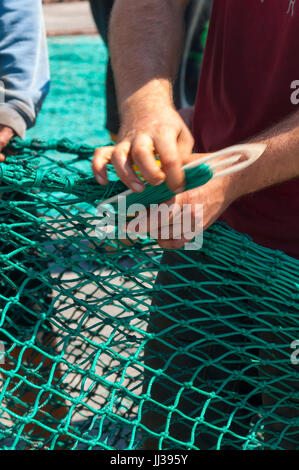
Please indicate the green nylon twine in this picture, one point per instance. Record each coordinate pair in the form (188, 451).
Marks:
(194, 177)
(23, 172)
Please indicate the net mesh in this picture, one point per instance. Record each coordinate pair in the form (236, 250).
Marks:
(114, 345)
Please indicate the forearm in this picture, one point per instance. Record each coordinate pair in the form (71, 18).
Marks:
(279, 163)
(24, 70)
(145, 46)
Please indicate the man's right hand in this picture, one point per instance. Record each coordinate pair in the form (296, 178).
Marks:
(146, 131)
(145, 44)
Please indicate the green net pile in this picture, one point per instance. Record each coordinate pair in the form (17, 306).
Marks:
(97, 352)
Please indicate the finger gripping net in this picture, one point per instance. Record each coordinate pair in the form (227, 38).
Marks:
(106, 344)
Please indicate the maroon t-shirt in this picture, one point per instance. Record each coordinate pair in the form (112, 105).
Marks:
(250, 62)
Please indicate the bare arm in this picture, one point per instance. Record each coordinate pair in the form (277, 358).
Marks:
(145, 43)
(145, 46)
(145, 39)
(279, 163)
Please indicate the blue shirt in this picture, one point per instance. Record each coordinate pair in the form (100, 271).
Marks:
(24, 66)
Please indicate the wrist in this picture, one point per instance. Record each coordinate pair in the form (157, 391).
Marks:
(231, 189)
(148, 99)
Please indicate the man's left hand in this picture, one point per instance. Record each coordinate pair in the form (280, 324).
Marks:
(215, 197)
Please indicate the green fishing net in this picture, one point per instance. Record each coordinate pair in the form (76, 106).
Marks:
(107, 344)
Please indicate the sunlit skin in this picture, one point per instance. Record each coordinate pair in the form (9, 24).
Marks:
(6, 134)
(145, 61)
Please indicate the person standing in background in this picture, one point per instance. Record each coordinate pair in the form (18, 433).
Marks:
(24, 67)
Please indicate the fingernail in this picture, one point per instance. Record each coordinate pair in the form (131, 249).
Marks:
(137, 187)
(159, 182)
(100, 179)
(179, 190)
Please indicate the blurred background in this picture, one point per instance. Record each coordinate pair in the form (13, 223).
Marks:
(68, 17)
(75, 107)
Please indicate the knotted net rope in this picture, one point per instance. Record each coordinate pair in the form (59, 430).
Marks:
(98, 352)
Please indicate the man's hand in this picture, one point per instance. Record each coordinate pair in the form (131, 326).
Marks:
(215, 197)
(146, 131)
(6, 134)
(145, 41)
